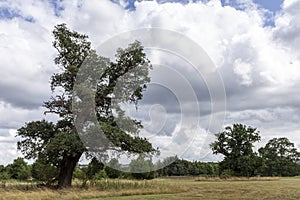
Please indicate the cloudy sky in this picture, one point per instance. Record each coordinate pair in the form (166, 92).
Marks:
(253, 45)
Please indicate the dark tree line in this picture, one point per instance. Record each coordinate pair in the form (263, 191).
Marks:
(148, 169)
(181, 167)
(96, 170)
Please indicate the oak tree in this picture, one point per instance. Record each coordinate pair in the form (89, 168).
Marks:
(59, 143)
(280, 157)
(236, 144)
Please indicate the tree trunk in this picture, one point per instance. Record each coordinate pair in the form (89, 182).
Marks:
(66, 171)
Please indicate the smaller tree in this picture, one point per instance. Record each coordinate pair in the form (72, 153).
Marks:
(279, 158)
(236, 144)
(43, 171)
(18, 169)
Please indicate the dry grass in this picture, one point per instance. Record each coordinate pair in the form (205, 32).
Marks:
(104, 188)
(188, 188)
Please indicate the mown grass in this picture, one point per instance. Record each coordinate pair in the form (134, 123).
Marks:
(171, 188)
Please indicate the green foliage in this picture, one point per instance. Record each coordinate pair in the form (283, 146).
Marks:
(43, 171)
(93, 168)
(142, 168)
(101, 175)
(2, 168)
(227, 173)
(236, 144)
(18, 169)
(173, 166)
(59, 144)
(91, 173)
(4, 176)
(113, 169)
(280, 158)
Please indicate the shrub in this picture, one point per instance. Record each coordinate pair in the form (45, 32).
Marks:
(227, 173)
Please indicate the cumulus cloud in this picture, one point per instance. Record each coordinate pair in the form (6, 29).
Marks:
(258, 64)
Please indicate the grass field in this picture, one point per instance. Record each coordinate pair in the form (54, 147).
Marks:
(172, 188)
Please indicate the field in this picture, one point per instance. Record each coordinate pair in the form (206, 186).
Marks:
(171, 188)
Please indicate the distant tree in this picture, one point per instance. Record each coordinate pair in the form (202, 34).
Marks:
(113, 168)
(236, 144)
(142, 168)
(173, 166)
(94, 167)
(170, 166)
(280, 158)
(18, 169)
(59, 144)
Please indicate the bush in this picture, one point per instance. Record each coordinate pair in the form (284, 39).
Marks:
(113, 169)
(19, 169)
(101, 175)
(227, 173)
(4, 176)
(42, 171)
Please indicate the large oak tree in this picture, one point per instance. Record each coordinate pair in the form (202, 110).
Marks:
(59, 144)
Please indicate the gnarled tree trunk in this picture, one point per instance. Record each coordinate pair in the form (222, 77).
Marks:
(66, 171)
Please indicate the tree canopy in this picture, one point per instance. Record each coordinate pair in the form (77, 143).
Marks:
(58, 144)
(280, 158)
(236, 144)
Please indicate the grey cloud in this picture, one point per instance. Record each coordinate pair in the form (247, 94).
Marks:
(4, 132)
(30, 96)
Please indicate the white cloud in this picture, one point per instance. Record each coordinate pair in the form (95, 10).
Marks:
(244, 71)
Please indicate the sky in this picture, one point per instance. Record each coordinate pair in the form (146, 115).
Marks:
(253, 45)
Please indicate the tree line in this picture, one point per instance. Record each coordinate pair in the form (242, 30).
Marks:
(96, 170)
(278, 157)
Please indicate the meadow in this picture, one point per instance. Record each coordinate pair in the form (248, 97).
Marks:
(167, 188)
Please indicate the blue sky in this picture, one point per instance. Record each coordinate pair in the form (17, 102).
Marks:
(272, 5)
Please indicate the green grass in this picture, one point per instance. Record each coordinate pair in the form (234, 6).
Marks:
(171, 188)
